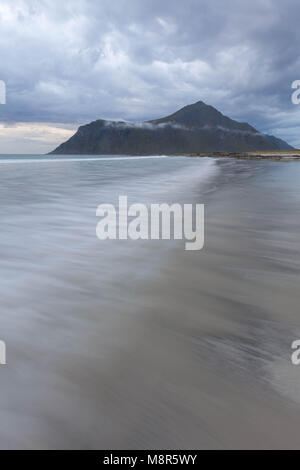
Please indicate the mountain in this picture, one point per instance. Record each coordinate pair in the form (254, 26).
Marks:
(196, 128)
(281, 144)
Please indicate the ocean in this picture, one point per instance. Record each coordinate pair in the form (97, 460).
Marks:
(141, 344)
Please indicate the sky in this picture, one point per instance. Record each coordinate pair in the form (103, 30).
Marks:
(66, 63)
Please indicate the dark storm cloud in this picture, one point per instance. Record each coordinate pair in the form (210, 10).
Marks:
(74, 61)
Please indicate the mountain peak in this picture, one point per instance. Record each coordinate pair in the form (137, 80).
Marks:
(200, 114)
(195, 128)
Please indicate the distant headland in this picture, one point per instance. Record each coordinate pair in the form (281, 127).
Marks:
(195, 129)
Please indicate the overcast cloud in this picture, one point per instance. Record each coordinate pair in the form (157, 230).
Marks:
(69, 62)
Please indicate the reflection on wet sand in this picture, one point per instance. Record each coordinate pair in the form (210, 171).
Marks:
(142, 344)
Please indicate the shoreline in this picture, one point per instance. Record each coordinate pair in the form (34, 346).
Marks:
(272, 156)
(284, 156)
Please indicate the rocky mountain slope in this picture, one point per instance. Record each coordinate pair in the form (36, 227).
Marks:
(194, 128)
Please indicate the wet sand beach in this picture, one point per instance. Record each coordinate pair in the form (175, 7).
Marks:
(143, 345)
